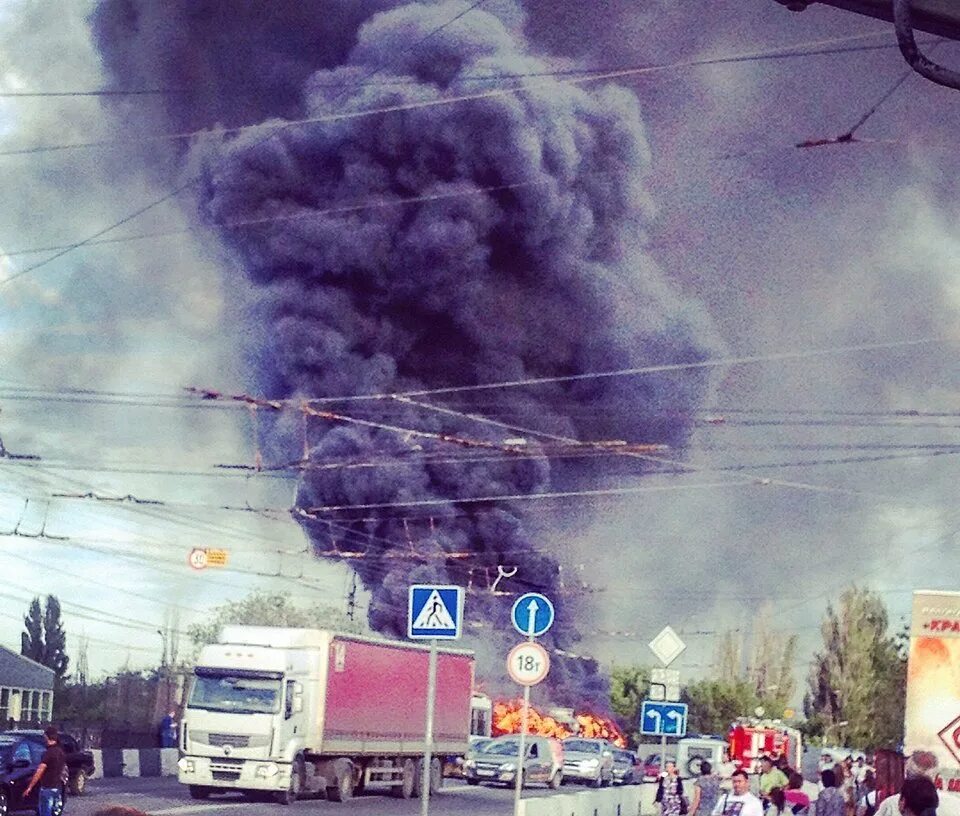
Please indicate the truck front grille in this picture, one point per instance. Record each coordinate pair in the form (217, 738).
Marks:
(225, 765)
(226, 776)
(233, 740)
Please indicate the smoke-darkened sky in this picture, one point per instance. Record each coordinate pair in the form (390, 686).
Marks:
(664, 218)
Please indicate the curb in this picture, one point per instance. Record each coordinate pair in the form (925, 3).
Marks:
(134, 762)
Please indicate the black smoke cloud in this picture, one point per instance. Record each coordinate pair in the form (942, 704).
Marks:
(546, 279)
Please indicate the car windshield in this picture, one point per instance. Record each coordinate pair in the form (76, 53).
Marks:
(623, 756)
(246, 695)
(502, 748)
(581, 746)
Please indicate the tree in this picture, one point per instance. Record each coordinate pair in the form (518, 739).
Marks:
(31, 641)
(629, 686)
(44, 639)
(55, 640)
(269, 609)
(857, 682)
(769, 673)
(771, 668)
(715, 704)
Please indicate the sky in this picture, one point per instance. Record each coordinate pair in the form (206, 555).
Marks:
(800, 474)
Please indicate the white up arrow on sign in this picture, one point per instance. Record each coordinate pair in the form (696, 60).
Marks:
(532, 609)
(655, 716)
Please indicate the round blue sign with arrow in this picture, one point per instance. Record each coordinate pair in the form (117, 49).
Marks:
(532, 614)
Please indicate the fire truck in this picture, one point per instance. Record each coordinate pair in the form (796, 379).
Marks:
(751, 739)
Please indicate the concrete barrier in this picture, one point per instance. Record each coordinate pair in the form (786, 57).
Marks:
(130, 762)
(631, 800)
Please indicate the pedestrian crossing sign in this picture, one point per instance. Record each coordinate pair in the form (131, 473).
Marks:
(435, 612)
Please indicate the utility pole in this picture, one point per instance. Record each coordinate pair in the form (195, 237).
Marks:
(352, 597)
(83, 670)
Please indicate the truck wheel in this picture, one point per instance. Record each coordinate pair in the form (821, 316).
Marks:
(596, 783)
(436, 776)
(405, 789)
(293, 791)
(343, 790)
(199, 792)
(78, 783)
(556, 780)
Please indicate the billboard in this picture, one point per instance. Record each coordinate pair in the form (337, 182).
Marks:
(933, 683)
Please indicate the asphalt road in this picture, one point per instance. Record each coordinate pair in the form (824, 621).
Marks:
(165, 797)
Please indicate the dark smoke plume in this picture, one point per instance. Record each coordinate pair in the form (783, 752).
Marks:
(540, 280)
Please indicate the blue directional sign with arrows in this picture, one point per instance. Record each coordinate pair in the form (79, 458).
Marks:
(658, 719)
(532, 614)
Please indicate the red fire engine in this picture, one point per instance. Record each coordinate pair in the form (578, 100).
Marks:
(751, 739)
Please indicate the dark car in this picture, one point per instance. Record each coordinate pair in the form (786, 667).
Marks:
(79, 762)
(627, 767)
(19, 757)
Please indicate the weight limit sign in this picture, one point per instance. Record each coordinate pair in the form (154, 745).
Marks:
(528, 663)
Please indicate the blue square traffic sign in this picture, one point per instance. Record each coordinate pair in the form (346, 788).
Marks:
(435, 612)
(658, 719)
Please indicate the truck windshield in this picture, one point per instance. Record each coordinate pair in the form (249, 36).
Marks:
(247, 695)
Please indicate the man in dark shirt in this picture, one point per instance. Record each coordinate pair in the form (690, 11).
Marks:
(49, 775)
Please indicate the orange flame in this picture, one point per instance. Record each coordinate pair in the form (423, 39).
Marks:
(508, 714)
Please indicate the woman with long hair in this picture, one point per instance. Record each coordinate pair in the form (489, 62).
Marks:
(706, 791)
(778, 802)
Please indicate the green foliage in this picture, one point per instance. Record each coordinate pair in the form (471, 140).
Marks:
(269, 609)
(715, 704)
(80, 704)
(44, 639)
(629, 687)
(31, 641)
(859, 678)
(771, 669)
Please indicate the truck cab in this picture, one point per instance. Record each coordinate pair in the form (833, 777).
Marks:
(246, 723)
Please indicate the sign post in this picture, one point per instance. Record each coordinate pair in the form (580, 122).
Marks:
(667, 646)
(434, 613)
(528, 663)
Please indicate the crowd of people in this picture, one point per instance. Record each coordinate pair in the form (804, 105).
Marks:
(846, 788)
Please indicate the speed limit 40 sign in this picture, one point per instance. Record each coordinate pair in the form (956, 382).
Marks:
(528, 663)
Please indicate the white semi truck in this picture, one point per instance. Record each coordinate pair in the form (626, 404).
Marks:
(284, 712)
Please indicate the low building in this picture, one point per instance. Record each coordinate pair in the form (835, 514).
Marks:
(26, 690)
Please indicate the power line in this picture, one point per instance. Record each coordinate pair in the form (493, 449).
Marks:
(542, 79)
(101, 92)
(291, 217)
(279, 404)
(193, 180)
(488, 77)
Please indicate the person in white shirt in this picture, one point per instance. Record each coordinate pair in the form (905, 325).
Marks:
(725, 771)
(740, 802)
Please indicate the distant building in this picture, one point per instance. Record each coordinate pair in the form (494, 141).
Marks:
(26, 690)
